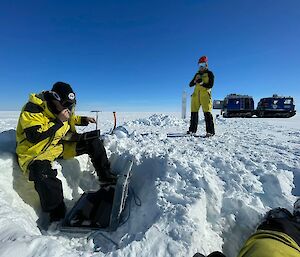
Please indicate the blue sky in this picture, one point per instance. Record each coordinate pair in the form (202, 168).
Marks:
(141, 55)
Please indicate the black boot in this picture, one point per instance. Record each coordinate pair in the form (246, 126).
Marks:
(194, 122)
(108, 179)
(209, 124)
(58, 213)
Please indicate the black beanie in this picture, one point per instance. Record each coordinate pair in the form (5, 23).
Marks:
(64, 91)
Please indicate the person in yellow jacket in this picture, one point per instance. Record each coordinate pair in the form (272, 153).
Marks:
(203, 82)
(277, 236)
(46, 131)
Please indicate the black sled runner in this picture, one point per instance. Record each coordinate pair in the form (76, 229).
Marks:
(101, 209)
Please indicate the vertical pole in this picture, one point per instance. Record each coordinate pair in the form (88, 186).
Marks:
(183, 106)
(115, 120)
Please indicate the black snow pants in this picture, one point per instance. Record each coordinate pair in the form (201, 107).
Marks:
(49, 187)
(209, 122)
(194, 122)
(96, 151)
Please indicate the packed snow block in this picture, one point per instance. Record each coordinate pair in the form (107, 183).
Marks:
(102, 209)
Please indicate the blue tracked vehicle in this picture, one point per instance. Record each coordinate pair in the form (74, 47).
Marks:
(235, 105)
(238, 106)
(276, 106)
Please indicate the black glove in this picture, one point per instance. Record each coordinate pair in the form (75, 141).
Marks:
(199, 80)
(192, 83)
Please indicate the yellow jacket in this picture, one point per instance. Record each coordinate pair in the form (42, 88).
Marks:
(266, 243)
(50, 131)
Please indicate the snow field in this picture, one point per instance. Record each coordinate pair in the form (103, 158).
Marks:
(196, 194)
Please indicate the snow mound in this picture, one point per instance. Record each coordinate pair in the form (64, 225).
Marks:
(157, 120)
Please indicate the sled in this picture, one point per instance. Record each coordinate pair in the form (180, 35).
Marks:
(184, 135)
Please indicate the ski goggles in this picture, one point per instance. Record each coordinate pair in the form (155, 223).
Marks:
(68, 103)
(202, 65)
(57, 107)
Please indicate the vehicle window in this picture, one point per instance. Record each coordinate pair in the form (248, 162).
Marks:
(287, 101)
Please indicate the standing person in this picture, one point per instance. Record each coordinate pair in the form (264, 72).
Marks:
(45, 127)
(203, 82)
